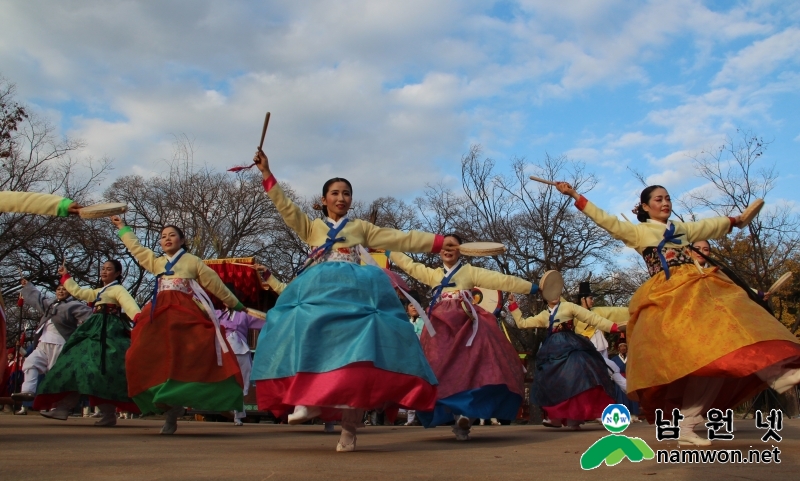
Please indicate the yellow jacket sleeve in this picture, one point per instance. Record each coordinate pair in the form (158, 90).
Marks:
(83, 293)
(584, 315)
(617, 315)
(34, 203)
(124, 299)
(620, 230)
(488, 279)
(424, 274)
(704, 229)
(211, 282)
(146, 257)
(291, 213)
(539, 320)
(397, 240)
(273, 283)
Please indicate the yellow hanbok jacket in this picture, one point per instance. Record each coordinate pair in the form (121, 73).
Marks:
(116, 295)
(466, 278)
(566, 311)
(189, 267)
(315, 232)
(617, 315)
(34, 203)
(696, 323)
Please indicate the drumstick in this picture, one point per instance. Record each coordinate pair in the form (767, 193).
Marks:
(543, 181)
(264, 131)
(240, 264)
(623, 216)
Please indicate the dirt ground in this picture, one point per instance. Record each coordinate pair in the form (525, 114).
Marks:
(35, 448)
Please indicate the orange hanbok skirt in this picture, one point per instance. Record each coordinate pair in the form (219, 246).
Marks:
(701, 324)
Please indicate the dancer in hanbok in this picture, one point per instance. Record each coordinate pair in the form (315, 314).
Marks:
(479, 371)
(178, 355)
(618, 315)
(92, 362)
(697, 341)
(237, 324)
(337, 342)
(572, 383)
(60, 318)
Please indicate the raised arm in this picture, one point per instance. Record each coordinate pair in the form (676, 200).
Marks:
(488, 279)
(424, 274)
(34, 298)
(36, 203)
(289, 211)
(146, 257)
(78, 292)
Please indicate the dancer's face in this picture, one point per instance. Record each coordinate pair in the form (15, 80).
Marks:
(659, 207)
(450, 256)
(61, 293)
(703, 247)
(171, 241)
(338, 200)
(108, 273)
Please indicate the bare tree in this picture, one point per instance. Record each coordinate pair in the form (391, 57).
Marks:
(760, 253)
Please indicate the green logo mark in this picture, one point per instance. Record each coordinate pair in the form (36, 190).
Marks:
(614, 448)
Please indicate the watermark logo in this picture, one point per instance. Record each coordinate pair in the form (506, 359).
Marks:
(615, 447)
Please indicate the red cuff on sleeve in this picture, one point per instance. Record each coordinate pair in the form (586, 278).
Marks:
(269, 183)
(733, 223)
(614, 329)
(581, 203)
(513, 306)
(438, 241)
(64, 278)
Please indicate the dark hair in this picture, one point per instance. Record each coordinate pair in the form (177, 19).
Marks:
(456, 237)
(177, 229)
(327, 186)
(117, 267)
(644, 199)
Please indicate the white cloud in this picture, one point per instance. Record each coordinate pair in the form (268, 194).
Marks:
(761, 58)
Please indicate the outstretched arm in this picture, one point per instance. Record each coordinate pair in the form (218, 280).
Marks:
(36, 203)
(424, 274)
(488, 279)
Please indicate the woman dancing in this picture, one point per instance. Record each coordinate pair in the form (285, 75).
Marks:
(572, 383)
(479, 371)
(178, 356)
(338, 341)
(696, 340)
(92, 362)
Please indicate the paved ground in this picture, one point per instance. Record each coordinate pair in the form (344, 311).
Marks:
(35, 448)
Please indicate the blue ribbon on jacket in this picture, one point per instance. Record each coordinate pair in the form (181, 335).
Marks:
(97, 299)
(326, 246)
(167, 272)
(669, 236)
(437, 291)
(552, 320)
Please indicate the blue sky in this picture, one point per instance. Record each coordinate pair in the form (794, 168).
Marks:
(391, 94)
